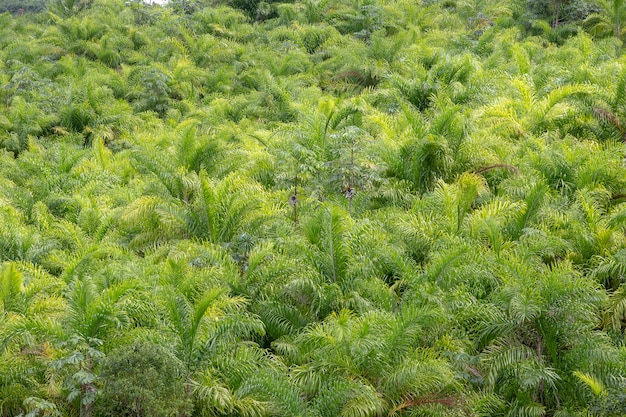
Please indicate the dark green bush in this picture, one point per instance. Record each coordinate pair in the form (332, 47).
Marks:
(22, 6)
(142, 379)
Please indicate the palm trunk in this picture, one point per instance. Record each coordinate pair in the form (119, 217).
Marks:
(557, 13)
(540, 360)
(85, 409)
(182, 412)
(295, 199)
(351, 184)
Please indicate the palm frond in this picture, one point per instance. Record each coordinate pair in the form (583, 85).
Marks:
(280, 319)
(594, 384)
(275, 390)
(327, 231)
(615, 314)
(505, 358)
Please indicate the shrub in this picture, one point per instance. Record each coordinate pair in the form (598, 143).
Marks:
(142, 379)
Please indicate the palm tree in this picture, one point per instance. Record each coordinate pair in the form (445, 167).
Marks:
(532, 112)
(203, 320)
(95, 307)
(220, 211)
(607, 108)
(615, 314)
(30, 307)
(524, 343)
(607, 21)
(317, 142)
(533, 196)
(185, 196)
(68, 8)
(342, 370)
(327, 233)
(433, 145)
(490, 220)
(23, 321)
(450, 204)
(92, 110)
(24, 120)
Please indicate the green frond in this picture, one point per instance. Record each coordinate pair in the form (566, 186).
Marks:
(234, 328)
(205, 308)
(425, 162)
(342, 397)
(615, 314)
(280, 319)
(619, 99)
(520, 409)
(532, 203)
(594, 384)
(406, 331)
(617, 218)
(251, 407)
(524, 307)
(141, 210)
(416, 378)
(495, 328)
(455, 201)
(286, 347)
(363, 401)
(610, 270)
(11, 288)
(220, 211)
(211, 395)
(444, 262)
(313, 376)
(498, 209)
(328, 233)
(558, 95)
(276, 391)
(501, 359)
(95, 311)
(72, 236)
(27, 331)
(532, 376)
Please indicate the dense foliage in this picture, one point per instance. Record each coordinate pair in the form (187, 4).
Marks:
(322, 208)
(22, 6)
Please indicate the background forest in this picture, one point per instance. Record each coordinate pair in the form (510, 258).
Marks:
(323, 208)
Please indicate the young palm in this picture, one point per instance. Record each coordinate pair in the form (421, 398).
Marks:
(533, 111)
(30, 307)
(342, 369)
(204, 322)
(524, 344)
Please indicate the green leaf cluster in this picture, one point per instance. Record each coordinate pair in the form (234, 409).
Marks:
(313, 208)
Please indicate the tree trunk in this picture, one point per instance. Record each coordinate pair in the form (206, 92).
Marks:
(540, 360)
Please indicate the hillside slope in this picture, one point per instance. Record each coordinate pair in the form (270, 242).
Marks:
(322, 208)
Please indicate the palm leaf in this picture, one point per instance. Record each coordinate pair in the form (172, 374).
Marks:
(594, 384)
(502, 358)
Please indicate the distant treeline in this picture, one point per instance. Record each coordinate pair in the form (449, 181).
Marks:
(22, 6)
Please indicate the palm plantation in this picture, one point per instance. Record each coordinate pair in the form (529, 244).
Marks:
(312, 208)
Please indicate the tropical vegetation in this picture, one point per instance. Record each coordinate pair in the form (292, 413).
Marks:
(316, 208)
